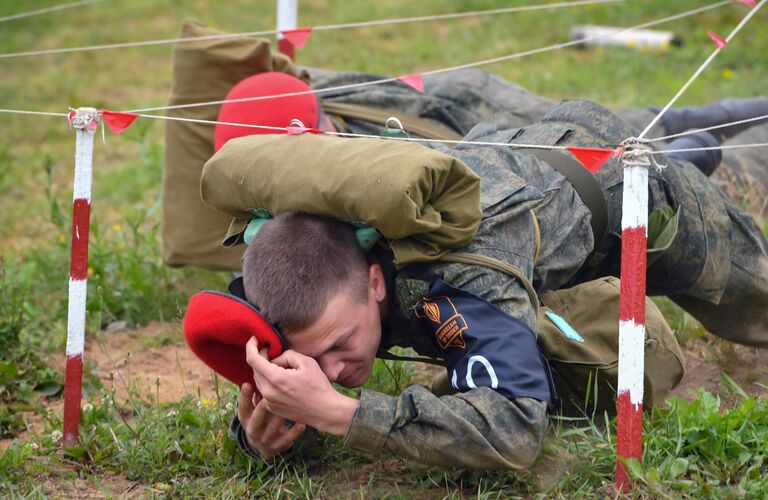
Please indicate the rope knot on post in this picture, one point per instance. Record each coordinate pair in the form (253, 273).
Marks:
(637, 153)
(84, 118)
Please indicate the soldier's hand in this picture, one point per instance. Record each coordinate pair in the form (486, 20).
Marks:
(265, 431)
(294, 386)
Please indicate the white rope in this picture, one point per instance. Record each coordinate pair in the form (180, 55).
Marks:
(459, 15)
(452, 68)
(47, 10)
(349, 134)
(703, 66)
(444, 141)
(714, 127)
(316, 28)
(23, 112)
(711, 148)
(407, 139)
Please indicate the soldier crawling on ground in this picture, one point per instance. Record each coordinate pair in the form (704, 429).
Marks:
(473, 306)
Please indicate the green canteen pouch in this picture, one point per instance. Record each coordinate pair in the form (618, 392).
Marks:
(579, 335)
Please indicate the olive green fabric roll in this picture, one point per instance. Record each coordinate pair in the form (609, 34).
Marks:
(423, 201)
(203, 71)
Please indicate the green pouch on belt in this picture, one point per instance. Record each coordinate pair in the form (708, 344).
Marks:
(579, 335)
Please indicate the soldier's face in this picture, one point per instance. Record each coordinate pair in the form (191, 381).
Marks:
(345, 338)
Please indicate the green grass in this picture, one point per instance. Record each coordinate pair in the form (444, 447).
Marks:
(693, 449)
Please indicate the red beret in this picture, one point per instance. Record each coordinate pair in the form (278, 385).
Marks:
(218, 325)
(275, 112)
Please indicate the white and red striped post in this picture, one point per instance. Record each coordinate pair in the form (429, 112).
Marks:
(84, 121)
(634, 236)
(287, 19)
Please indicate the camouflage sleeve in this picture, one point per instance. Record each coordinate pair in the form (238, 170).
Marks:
(478, 429)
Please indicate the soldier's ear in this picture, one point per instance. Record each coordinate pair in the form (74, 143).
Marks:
(377, 287)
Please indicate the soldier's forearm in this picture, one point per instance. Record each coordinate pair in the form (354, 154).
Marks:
(479, 429)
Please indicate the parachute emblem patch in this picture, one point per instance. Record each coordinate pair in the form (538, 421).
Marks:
(449, 332)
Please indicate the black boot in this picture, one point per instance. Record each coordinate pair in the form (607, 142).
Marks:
(678, 120)
(706, 161)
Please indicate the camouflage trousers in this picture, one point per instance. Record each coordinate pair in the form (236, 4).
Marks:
(716, 268)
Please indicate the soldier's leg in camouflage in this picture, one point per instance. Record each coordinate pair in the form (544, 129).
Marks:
(720, 256)
(742, 312)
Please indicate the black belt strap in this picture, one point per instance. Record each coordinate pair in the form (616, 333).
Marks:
(583, 182)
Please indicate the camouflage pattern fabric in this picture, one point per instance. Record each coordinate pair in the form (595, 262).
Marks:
(698, 266)
(479, 429)
(458, 100)
(717, 266)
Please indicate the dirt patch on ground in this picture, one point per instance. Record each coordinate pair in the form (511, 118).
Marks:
(153, 360)
(706, 359)
(66, 484)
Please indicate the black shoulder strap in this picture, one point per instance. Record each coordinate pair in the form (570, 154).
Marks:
(583, 182)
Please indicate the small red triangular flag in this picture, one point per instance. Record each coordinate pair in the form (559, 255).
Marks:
(415, 80)
(298, 37)
(591, 158)
(719, 41)
(117, 121)
(748, 3)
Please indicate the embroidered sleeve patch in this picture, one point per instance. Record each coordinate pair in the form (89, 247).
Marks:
(450, 323)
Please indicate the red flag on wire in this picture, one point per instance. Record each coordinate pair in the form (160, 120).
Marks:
(719, 41)
(117, 121)
(415, 80)
(591, 158)
(298, 37)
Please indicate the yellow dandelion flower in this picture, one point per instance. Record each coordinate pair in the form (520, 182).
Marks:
(727, 73)
(117, 227)
(62, 238)
(90, 271)
(206, 403)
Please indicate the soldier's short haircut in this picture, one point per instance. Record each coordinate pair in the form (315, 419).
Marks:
(297, 263)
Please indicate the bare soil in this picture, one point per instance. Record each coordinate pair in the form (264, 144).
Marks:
(707, 358)
(153, 360)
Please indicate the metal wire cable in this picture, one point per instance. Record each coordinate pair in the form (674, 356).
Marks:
(166, 41)
(452, 68)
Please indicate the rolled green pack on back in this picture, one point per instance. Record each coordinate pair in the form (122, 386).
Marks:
(423, 202)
